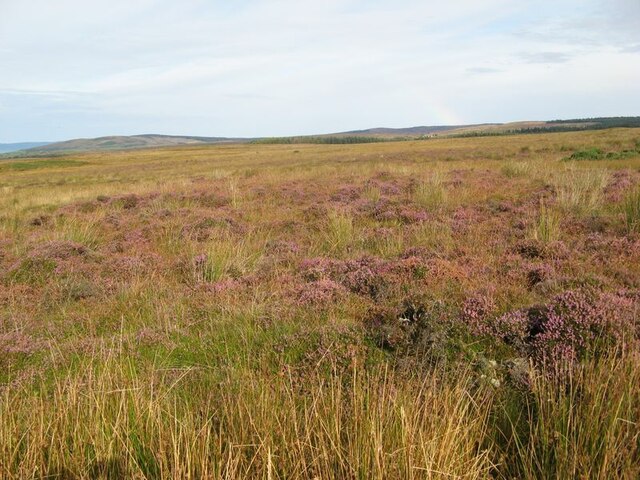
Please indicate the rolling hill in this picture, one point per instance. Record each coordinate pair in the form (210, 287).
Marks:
(354, 136)
(14, 147)
(126, 142)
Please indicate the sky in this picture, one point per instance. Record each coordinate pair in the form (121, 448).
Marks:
(246, 68)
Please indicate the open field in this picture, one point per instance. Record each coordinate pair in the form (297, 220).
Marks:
(447, 308)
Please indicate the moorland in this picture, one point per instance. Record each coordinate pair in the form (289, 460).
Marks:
(442, 308)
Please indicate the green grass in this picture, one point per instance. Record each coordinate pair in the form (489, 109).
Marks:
(580, 190)
(631, 211)
(431, 193)
(40, 164)
(547, 225)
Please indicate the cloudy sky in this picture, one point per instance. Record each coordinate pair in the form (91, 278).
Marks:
(84, 68)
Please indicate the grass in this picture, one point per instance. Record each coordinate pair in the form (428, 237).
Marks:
(431, 193)
(340, 231)
(547, 225)
(107, 421)
(580, 189)
(40, 164)
(514, 169)
(631, 210)
(583, 426)
(255, 311)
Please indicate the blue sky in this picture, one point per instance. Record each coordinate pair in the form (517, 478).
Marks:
(77, 68)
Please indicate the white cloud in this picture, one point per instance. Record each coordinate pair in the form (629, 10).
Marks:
(274, 67)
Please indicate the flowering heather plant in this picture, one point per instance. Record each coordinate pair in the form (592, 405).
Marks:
(59, 250)
(319, 268)
(619, 184)
(538, 274)
(364, 276)
(475, 312)
(572, 324)
(18, 343)
(576, 321)
(221, 286)
(410, 215)
(320, 292)
(283, 247)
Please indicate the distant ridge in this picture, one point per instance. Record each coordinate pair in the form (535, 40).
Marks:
(123, 142)
(14, 147)
(354, 136)
(422, 130)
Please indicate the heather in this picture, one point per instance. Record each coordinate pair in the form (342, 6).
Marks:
(445, 308)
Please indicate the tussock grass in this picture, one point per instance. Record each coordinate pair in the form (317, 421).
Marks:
(234, 192)
(631, 211)
(547, 224)
(113, 420)
(580, 190)
(433, 235)
(388, 245)
(372, 193)
(340, 231)
(73, 230)
(431, 193)
(227, 257)
(582, 424)
(514, 169)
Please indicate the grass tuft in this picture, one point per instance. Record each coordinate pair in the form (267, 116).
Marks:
(631, 211)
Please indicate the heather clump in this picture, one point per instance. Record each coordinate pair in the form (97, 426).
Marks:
(619, 185)
(364, 276)
(368, 276)
(319, 268)
(577, 323)
(320, 292)
(18, 343)
(572, 325)
(476, 310)
(540, 273)
(283, 247)
(59, 250)
(411, 215)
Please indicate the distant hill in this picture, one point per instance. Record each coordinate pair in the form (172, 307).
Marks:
(14, 147)
(423, 130)
(378, 134)
(500, 128)
(125, 142)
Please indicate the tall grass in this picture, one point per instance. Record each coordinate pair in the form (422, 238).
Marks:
(83, 232)
(431, 193)
(518, 168)
(584, 423)
(112, 420)
(340, 231)
(227, 257)
(115, 424)
(631, 210)
(580, 190)
(433, 235)
(547, 225)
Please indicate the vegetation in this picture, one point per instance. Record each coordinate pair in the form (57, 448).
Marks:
(450, 308)
(324, 140)
(631, 210)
